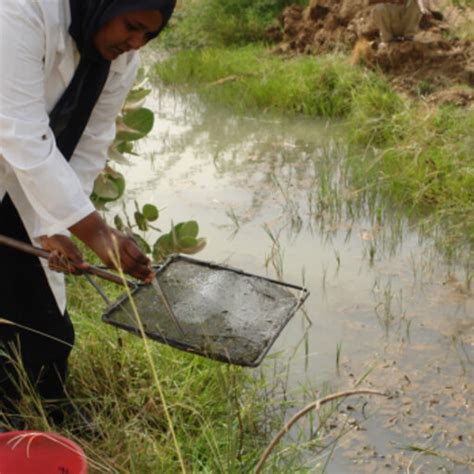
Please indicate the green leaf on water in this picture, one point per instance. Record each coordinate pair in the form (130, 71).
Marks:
(177, 228)
(119, 225)
(141, 221)
(163, 247)
(109, 186)
(125, 147)
(150, 212)
(105, 188)
(119, 181)
(187, 242)
(135, 98)
(142, 243)
(136, 124)
(200, 244)
(188, 229)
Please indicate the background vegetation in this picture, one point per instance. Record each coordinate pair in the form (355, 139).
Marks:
(159, 410)
(418, 155)
(199, 23)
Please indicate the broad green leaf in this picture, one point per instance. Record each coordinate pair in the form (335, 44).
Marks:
(109, 186)
(125, 147)
(187, 242)
(119, 181)
(163, 246)
(141, 120)
(189, 229)
(142, 243)
(121, 185)
(136, 98)
(165, 242)
(136, 124)
(141, 221)
(150, 212)
(118, 223)
(122, 127)
(201, 243)
(177, 228)
(106, 188)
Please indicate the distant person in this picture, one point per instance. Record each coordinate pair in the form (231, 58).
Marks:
(400, 19)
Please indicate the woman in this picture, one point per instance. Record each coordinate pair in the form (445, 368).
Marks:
(65, 69)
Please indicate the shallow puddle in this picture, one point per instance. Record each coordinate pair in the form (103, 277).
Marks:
(385, 310)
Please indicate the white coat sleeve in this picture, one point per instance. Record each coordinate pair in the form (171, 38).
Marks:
(27, 143)
(90, 155)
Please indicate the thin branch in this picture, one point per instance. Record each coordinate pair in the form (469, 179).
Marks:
(312, 406)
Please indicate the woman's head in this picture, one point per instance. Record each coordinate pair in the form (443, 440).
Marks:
(127, 31)
(104, 29)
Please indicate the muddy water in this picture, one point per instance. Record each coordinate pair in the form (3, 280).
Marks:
(385, 311)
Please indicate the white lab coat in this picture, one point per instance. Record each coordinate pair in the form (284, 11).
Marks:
(37, 61)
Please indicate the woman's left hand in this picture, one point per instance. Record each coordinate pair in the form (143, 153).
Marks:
(64, 256)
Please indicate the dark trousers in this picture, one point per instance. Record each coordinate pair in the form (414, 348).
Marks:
(27, 300)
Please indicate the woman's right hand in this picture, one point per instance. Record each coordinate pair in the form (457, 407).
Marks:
(132, 260)
(114, 248)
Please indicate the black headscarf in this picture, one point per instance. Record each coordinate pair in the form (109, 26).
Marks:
(70, 115)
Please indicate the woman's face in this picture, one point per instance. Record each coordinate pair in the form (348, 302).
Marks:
(129, 31)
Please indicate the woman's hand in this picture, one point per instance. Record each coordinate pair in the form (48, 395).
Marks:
(114, 248)
(64, 256)
(122, 251)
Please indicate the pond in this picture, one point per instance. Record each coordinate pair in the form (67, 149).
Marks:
(385, 311)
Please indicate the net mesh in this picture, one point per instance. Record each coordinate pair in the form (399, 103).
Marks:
(223, 313)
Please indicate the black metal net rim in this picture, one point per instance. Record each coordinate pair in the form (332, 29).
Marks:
(107, 316)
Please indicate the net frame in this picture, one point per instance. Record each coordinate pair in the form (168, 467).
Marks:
(119, 304)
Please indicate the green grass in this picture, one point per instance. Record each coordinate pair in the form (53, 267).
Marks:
(418, 156)
(158, 409)
(215, 410)
(162, 410)
(423, 161)
(200, 23)
(250, 78)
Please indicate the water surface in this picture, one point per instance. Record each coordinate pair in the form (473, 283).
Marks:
(386, 311)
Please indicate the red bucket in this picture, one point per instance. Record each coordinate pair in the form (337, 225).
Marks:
(35, 452)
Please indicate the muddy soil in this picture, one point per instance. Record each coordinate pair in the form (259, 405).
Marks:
(436, 65)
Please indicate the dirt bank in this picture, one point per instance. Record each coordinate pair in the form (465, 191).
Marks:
(436, 65)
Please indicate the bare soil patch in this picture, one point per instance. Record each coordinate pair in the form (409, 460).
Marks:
(435, 65)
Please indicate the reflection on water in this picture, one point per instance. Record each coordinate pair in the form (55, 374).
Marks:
(271, 198)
